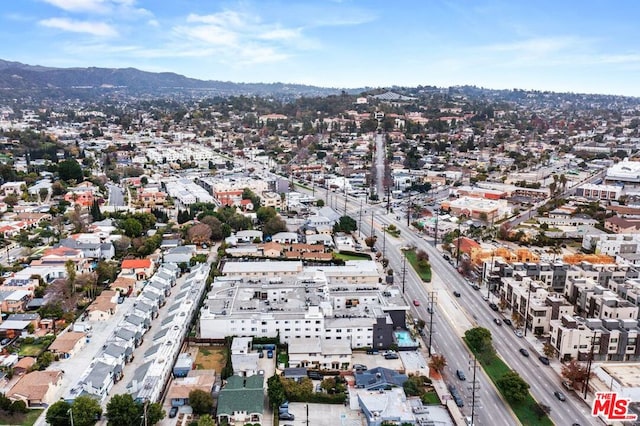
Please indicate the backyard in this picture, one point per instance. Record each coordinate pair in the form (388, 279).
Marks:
(19, 419)
(211, 358)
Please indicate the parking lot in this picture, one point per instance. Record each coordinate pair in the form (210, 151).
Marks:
(323, 415)
(379, 360)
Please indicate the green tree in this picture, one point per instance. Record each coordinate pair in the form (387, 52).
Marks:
(86, 411)
(345, 224)
(70, 170)
(131, 227)
(206, 420)
(122, 410)
(95, 212)
(263, 214)
(200, 401)
(513, 387)
(319, 203)
(275, 391)
(58, 414)
(479, 339)
(274, 225)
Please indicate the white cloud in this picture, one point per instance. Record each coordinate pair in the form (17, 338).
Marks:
(95, 6)
(100, 29)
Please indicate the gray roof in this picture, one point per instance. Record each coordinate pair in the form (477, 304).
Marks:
(160, 334)
(181, 250)
(125, 334)
(99, 373)
(379, 378)
(114, 350)
(168, 320)
(23, 317)
(135, 320)
(152, 350)
(141, 372)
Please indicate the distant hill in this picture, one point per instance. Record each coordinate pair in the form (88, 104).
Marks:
(18, 76)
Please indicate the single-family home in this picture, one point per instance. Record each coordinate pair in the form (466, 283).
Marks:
(140, 269)
(69, 343)
(180, 388)
(37, 389)
(242, 400)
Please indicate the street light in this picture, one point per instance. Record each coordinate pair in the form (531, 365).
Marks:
(384, 241)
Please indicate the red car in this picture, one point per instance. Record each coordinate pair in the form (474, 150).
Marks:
(416, 302)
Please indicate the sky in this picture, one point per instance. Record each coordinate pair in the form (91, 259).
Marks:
(584, 46)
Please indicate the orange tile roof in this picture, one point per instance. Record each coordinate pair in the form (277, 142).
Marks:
(136, 263)
(35, 385)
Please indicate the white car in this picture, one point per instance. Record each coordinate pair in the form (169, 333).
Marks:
(519, 333)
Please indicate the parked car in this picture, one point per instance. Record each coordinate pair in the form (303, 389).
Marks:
(560, 396)
(372, 352)
(507, 321)
(261, 354)
(544, 360)
(173, 412)
(360, 367)
(391, 355)
(456, 293)
(519, 333)
(485, 297)
(429, 309)
(524, 352)
(475, 287)
(269, 353)
(461, 375)
(493, 306)
(286, 416)
(4, 341)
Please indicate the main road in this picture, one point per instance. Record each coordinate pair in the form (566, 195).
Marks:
(453, 316)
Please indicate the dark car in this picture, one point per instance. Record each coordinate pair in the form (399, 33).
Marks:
(507, 321)
(475, 287)
(359, 367)
(560, 396)
(286, 416)
(391, 355)
(456, 293)
(372, 352)
(493, 306)
(173, 412)
(524, 352)
(497, 321)
(429, 309)
(461, 375)
(544, 360)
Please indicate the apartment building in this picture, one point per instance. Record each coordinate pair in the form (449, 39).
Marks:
(597, 339)
(304, 307)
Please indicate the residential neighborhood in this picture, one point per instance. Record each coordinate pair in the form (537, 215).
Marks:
(361, 259)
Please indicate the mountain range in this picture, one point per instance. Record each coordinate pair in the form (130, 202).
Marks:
(21, 77)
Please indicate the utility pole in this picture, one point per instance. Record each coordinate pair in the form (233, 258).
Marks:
(404, 270)
(71, 415)
(372, 232)
(360, 220)
(307, 414)
(458, 248)
(489, 274)
(435, 234)
(409, 210)
(432, 298)
(388, 198)
(345, 196)
(474, 388)
(589, 362)
(384, 241)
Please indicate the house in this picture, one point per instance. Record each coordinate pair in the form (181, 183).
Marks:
(285, 237)
(103, 308)
(23, 365)
(14, 301)
(242, 400)
(183, 365)
(379, 378)
(67, 344)
(271, 249)
(141, 269)
(178, 394)
(37, 389)
(181, 254)
(99, 380)
(123, 285)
